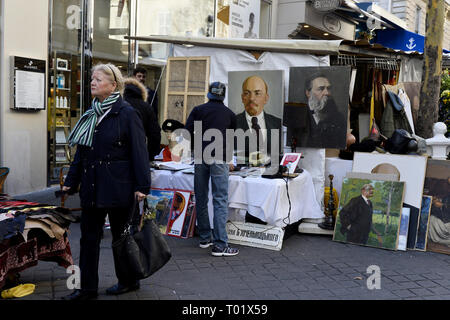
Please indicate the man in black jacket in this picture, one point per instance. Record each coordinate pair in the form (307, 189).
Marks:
(212, 116)
(136, 95)
(152, 98)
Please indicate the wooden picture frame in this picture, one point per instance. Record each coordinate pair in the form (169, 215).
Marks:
(382, 213)
(410, 168)
(424, 220)
(437, 185)
(187, 83)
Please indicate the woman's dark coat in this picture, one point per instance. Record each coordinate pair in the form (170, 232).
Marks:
(117, 164)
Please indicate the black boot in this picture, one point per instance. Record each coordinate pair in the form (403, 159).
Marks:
(120, 288)
(80, 295)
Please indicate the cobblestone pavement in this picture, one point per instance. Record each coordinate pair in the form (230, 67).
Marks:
(309, 267)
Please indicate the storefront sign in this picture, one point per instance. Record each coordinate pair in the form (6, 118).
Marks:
(331, 23)
(326, 5)
(244, 19)
(255, 235)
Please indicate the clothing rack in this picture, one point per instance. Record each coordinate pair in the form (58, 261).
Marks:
(378, 63)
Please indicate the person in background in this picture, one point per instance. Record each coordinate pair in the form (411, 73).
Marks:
(213, 115)
(251, 23)
(178, 149)
(110, 169)
(152, 97)
(135, 93)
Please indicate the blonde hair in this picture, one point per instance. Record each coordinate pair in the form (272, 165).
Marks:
(112, 72)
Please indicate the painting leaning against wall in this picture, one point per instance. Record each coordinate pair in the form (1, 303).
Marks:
(437, 185)
(369, 213)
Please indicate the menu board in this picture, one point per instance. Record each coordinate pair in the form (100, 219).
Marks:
(29, 84)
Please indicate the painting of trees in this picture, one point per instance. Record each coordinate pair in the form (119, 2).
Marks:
(387, 202)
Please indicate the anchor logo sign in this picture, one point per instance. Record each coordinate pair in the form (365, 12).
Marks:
(411, 45)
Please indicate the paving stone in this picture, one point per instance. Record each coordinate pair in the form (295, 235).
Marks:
(427, 283)
(398, 278)
(422, 292)
(404, 293)
(440, 290)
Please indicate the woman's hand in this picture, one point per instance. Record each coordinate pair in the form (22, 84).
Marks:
(65, 189)
(139, 195)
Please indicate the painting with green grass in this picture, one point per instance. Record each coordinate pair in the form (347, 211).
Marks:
(369, 212)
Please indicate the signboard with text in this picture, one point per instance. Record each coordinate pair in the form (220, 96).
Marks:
(255, 235)
(28, 83)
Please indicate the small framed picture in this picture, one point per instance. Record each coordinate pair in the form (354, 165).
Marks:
(62, 64)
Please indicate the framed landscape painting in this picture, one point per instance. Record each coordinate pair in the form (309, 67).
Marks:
(369, 213)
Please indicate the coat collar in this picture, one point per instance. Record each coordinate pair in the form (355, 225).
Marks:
(117, 106)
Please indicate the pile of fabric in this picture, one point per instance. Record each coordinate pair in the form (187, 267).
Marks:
(31, 231)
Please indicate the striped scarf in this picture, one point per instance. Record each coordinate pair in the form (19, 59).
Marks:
(83, 132)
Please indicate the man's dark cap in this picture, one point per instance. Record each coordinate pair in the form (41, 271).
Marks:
(172, 125)
(217, 91)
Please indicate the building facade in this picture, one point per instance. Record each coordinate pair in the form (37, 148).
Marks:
(414, 13)
(73, 35)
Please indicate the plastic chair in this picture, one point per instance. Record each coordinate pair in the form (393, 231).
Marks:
(4, 171)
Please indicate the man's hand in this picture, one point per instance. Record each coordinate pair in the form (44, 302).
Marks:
(65, 188)
(139, 195)
(230, 167)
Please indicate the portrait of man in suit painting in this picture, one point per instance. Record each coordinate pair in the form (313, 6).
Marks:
(252, 114)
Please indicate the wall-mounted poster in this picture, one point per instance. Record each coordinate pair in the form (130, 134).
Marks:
(316, 116)
(244, 19)
(369, 213)
(437, 185)
(410, 169)
(257, 98)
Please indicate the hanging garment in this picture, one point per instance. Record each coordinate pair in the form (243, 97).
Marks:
(407, 105)
(394, 116)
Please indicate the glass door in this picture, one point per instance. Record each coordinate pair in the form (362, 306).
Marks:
(110, 25)
(64, 82)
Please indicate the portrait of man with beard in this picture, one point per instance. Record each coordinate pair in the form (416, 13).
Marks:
(317, 118)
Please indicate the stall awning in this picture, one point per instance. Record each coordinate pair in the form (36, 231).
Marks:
(400, 39)
(320, 47)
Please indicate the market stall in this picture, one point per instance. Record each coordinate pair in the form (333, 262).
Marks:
(29, 232)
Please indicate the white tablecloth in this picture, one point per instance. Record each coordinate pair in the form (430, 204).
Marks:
(263, 198)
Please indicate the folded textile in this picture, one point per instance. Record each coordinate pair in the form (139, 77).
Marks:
(19, 291)
(12, 226)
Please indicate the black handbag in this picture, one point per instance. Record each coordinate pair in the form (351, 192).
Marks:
(140, 254)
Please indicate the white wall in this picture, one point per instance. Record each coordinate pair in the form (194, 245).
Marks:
(23, 136)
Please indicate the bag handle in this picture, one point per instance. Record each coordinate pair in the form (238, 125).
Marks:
(129, 223)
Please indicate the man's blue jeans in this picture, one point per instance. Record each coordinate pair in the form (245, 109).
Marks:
(219, 184)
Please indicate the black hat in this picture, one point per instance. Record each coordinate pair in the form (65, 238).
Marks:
(172, 125)
(217, 91)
